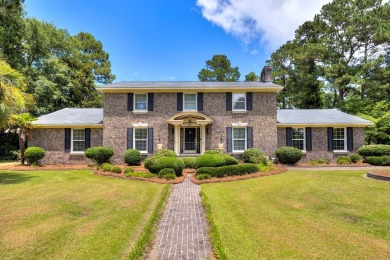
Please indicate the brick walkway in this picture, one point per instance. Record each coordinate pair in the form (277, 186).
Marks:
(182, 232)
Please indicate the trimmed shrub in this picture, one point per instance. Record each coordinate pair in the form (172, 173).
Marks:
(288, 155)
(99, 154)
(203, 176)
(166, 171)
(355, 158)
(319, 161)
(34, 154)
(129, 169)
(209, 160)
(106, 167)
(149, 163)
(343, 160)
(116, 169)
(156, 163)
(169, 176)
(188, 162)
(132, 157)
(140, 174)
(374, 150)
(378, 160)
(229, 160)
(165, 152)
(254, 155)
(212, 152)
(231, 170)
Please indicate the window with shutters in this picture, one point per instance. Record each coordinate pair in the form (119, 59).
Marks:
(339, 139)
(78, 140)
(239, 102)
(239, 139)
(298, 138)
(140, 139)
(140, 102)
(189, 102)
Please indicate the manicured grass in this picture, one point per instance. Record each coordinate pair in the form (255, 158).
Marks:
(300, 215)
(72, 214)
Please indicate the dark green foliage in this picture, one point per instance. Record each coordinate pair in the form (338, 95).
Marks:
(212, 152)
(165, 152)
(319, 161)
(288, 155)
(34, 154)
(156, 163)
(343, 160)
(209, 160)
(167, 173)
(99, 154)
(203, 176)
(229, 160)
(374, 150)
(219, 69)
(132, 157)
(231, 170)
(169, 176)
(149, 163)
(355, 158)
(378, 160)
(129, 169)
(188, 162)
(254, 155)
(116, 169)
(106, 167)
(9, 143)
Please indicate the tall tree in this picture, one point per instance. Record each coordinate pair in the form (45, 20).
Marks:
(251, 76)
(219, 68)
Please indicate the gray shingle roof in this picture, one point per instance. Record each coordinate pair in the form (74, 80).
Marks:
(318, 117)
(72, 116)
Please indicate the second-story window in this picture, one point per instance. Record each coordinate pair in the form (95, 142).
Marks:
(189, 102)
(239, 101)
(140, 102)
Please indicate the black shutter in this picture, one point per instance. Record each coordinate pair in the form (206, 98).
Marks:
(150, 140)
(249, 101)
(330, 139)
(87, 138)
(229, 140)
(289, 136)
(350, 139)
(249, 138)
(228, 101)
(179, 101)
(67, 140)
(200, 101)
(129, 138)
(150, 101)
(130, 100)
(308, 139)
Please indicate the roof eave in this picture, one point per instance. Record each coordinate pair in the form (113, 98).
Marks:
(68, 126)
(324, 124)
(274, 89)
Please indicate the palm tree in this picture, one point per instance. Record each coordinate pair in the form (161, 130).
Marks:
(23, 123)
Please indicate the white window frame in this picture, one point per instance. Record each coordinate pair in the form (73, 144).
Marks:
(72, 141)
(146, 102)
(304, 137)
(134, 140)
(345, 139)
(245, 140)
(184, 102)
(239, 110)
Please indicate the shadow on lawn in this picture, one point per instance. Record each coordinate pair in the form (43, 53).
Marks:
(14, 178)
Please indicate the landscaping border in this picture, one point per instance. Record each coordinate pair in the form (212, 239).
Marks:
(377, 176)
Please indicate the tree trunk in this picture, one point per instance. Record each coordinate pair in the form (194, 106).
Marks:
(22, 144)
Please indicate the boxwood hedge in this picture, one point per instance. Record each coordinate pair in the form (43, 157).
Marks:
(374, 150)
(34, 154)
(288, 155)
(230, 170)
(156, 163)
(99, 154)
(378, 160)
(214, 160)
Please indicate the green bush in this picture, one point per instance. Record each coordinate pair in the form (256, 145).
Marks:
(203, 176)
(229, 160)
(319, 161)
(374, 150)
(214, 160)
(132, 157)
(165, 152)
(169, 176)
(34, 154)
(212, 152)
(99, 154)
(156, 163)
(106, 167)
(378, 160)
(188, 162)
(231, 170)
(288, 155)
(343, 160)
(129, 169)
(254, 155)
(355, 158)
(166, 172)
(140, 174)
(116, 169)
(149, 163)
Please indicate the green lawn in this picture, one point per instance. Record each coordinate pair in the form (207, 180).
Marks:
(71, 214)
(307, 214)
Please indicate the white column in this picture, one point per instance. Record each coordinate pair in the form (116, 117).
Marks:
(177, 139)
(203, 139)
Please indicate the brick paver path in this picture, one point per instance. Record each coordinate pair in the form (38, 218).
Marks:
(182, 232)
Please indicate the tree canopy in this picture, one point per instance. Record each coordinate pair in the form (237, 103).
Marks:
(219, 68)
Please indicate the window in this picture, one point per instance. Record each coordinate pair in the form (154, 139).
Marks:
(189, 102)
(239, 139)
(140, 102)
(78, 140)
(339, 139)
(298, 138)
(141, 139)
(239, 101)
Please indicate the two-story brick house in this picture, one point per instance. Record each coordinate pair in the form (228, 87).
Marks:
(191, 117)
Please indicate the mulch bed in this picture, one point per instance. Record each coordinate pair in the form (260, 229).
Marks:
(385, 173)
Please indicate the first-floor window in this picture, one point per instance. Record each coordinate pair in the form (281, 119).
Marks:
(78, 140)
(141, 139)
(298, 138)
(239, 139)
(339, 139)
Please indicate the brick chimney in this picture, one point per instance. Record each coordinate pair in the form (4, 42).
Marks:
(266, 74)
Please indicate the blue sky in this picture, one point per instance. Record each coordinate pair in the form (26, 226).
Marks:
(156, 40)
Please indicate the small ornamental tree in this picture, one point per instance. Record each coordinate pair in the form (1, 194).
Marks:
(99, 154)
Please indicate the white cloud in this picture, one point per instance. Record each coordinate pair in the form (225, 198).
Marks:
(272, 22)
(254, 52)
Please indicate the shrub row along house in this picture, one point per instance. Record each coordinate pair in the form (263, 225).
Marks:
(191, 117)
